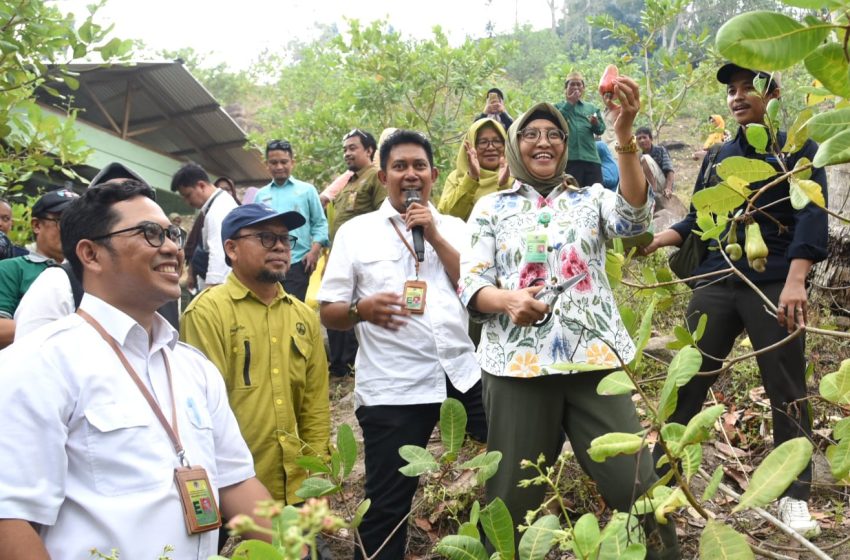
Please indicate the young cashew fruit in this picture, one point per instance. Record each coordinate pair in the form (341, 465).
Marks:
(606, 83)
(756, 248)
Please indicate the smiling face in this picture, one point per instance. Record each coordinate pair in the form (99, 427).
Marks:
(744, 102)
(542, 156)
(490, 146)
(407, 169)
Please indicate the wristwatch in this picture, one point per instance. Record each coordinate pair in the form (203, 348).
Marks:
(353, 314)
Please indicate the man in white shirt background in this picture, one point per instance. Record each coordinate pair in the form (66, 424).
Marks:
(413, 352)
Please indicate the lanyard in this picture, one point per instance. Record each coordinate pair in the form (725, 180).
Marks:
(173, 433)
(406, 244)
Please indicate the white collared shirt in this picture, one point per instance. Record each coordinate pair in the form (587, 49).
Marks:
(216, 211)
(408, 366)
(83, 454)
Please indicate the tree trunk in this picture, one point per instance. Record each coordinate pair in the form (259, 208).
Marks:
(831, 277)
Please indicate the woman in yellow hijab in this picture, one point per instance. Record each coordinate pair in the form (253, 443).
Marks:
(480, 169)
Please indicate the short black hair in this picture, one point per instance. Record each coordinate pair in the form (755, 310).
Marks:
(402, 136)
(91, 215)
(188, 176)
(644, 130)
(366, 139)
(497, 91)
(283, 145)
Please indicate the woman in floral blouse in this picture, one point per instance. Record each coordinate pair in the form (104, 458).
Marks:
(544, 231)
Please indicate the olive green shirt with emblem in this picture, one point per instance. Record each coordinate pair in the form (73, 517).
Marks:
(364, 193)
(273, 361)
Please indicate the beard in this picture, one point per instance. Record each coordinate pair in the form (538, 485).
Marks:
(269, 277)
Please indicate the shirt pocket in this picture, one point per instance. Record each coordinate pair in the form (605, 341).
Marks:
(382, 270)
(124, 453)
(241, 377)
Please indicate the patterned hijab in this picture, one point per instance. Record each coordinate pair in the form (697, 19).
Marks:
(518, 168)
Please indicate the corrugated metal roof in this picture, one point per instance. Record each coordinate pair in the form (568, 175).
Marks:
(168, 111)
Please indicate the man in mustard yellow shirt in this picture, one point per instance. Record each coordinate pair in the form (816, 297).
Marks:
(268, 346)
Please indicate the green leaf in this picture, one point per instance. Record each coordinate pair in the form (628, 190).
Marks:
(700, 330)
(671, 503)
(683, 367)
(419, 460)
(833, 151)
(699, 426)
(538, 539)
(824, 126)
(499, 528)
(757, 137)
(778, 470)
(767, 40)
(798, 133)
(683, 338)
(347, 446)
(804, 191)
(614, 443)
(315, 487)
(805, 173)
(644, 332)
(839, 459)
(828, 64)
(256, 550)
(721, 542)
(586, 535)
(616, 383)
(313, 464)
(618, 539)
(720, 199)
(461, 547)
(360, 512)
(486, 463)
(835, 386)
(750, 170)
(469, 529)
(452, 425)
(713, 484)
(646, 504)
(842, 428)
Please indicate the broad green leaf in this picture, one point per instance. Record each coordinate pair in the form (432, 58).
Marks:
(750, 170)
(778, 470)
(683, 338)
(646, 504)
(469, 529)
(452, 425)
(461, 547)
(713, 484)
(475, 510)
(336, 463)
(644, 332)
(361, 510)
(720, 228)
(538, 539)
(719, 199)
(347, 446)
(839, 459)
(619, 539)
(757, 137)
(804, 191)
(805, 173)
(767, 40)
(486, 463)
(670, 504)
(835, 386)
(313, 464)
(691, 460)
(683, 367)
(798, 133)
(824, 126)
(721, 542)
(842, 428)
(700, 330)
(829, 65)
(815, 4)
(617, 383)
(256, 550)
(499, 528)
(314, 487)
(706, 221)
(419, 460)
(699, 426)
(579, 366)
(614, 443)
(833, 151)
(586, 536)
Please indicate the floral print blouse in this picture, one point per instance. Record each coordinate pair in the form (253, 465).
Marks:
(585, 326)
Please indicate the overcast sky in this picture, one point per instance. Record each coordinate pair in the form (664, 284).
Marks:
(236, 32)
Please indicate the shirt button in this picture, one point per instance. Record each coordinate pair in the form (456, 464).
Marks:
(279, 401)
(275, 370)
(274, 339)
(282, 439)
(235, 348)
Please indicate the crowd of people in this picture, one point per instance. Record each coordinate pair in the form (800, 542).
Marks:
(150, 427)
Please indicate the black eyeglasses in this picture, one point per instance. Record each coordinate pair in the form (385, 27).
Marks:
(154, 234)
(485, 143)
(269, 239)
(554, 135)
(279, 145)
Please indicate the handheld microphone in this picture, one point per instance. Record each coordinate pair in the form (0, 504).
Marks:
(418, 240)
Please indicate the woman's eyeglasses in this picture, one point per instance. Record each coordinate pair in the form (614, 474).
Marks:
(269, 239)
(554, 135)
(154, 234)
(484, 143)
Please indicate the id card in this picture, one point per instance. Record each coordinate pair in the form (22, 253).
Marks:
(414, 296)
(535, 247)
(199, 507)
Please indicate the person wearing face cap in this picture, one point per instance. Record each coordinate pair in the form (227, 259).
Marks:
(540, 231)
(795, 239)
(18, 274)
(57, 292)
